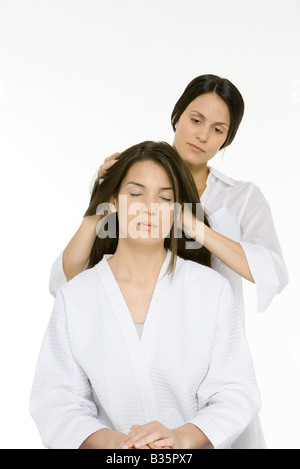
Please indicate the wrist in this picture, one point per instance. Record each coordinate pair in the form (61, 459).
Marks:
(195, 229)
(104, 439)
(89, 225)
(191, 437)
(97, 440)
(181, 438)
(91, 219)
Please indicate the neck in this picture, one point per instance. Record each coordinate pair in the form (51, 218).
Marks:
(134, 262)
(200, 174)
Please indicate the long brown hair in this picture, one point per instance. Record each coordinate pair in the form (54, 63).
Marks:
(185, 191)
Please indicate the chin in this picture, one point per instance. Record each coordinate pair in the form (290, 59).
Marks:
(192, 160)
(195, 159)
(146, 242)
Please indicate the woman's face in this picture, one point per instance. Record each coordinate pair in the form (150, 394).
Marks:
(145, 204)
(202, 129)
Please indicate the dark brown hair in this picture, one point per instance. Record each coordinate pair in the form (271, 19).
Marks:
(224, 89)
(185, 191)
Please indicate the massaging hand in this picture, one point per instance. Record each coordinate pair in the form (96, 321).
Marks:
(154, 435)
(190, 225)
(186, 221)
(110, 161)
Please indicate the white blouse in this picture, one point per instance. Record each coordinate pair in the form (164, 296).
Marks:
(239, 211)
(191, 365)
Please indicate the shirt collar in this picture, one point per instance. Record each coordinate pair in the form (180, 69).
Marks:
(213, 175)
(221, 176)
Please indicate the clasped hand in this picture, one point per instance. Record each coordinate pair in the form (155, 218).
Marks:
(152, 435)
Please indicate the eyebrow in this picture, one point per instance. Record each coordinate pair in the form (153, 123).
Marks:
(204, 118)
(144, 187)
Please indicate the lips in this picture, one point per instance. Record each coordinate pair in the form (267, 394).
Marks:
(196, 148)
(146, 225)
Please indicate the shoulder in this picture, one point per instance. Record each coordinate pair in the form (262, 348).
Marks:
(199, 274)
(202, 287)
(231, 182)
(235, 190)
(80, 284)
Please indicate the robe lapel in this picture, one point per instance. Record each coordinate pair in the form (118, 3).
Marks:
(155, 310)
(138, 349)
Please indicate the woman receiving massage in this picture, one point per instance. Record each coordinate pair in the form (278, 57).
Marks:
(145, 348)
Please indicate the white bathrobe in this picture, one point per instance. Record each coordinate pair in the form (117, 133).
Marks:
(238, 210)
(192, 363)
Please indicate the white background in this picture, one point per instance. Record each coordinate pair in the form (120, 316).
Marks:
(81, 79)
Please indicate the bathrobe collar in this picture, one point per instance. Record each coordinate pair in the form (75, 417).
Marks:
(139, 350)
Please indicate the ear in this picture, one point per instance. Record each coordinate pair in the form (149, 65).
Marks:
(113, 204)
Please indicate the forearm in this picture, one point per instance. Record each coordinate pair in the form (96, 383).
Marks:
(104, 439)
(228, 251)
(191, 437)
(77, 252)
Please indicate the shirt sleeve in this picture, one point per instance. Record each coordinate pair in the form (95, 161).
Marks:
(57, 276)
(229, 398)
(262, 249)
(61, 401)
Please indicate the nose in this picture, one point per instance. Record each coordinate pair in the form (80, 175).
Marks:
(202, 134)
(149, 206)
